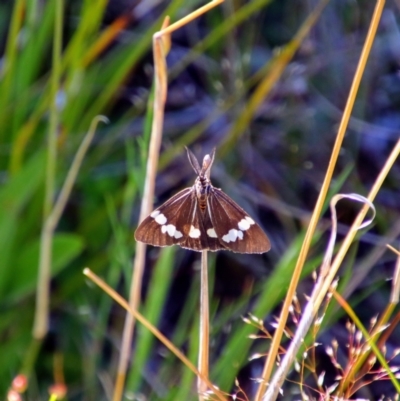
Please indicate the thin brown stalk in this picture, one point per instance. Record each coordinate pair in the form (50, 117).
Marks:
(394, 296)
(317, 210)
(161, 45)
(204, 328)
(138, 316)
(185, 20)
(160, 90)
(341, 254)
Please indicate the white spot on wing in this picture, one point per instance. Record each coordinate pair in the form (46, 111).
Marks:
(232, 235)
(178, 234)
(243, 225)
(160, 219)
(154, 214)
(250, 220)
(194, 232)
(169, 228)
(211, 233)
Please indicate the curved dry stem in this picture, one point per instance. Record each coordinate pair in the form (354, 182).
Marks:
(332, 240)
(317, 210)
(41, 312)
(121, 301)
(322, 286)
(313, 306)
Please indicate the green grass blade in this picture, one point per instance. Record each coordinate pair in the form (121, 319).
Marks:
(152, 309)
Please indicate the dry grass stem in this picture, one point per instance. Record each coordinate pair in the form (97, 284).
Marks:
(394, 296)
(160, 90)
(326, 264)
(138, 316)
(161, 46)
(204, 327)
(185, 20)
(313, 306)
(322, 286)
(50, 225)
(393, 249)
(272, 392)
(360, 217)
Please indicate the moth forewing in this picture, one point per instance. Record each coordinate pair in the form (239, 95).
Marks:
(160, 228)
(235, 229)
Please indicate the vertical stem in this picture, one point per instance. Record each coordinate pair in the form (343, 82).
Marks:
(161, 46)
(204, 326)
(42, 294)
(160, 94)
(271, 358)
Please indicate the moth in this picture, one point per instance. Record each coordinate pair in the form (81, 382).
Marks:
(203, 217)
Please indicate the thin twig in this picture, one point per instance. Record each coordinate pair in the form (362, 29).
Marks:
(394, 295)
(138, 316)
(318, 207)
(312, 307)
(204, 327)
(185, 20)
(161, 45)
(160, 90)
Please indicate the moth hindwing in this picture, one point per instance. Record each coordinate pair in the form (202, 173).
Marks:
(203, 217)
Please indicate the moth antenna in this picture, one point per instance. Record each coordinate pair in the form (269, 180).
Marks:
(193, 161)
(207, 163)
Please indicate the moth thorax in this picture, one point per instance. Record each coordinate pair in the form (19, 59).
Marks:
(202, 191)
